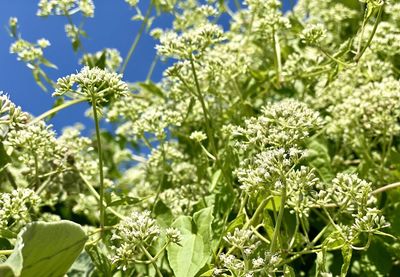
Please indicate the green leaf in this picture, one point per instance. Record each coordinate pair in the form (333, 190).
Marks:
(45, 249)
(48, 63)
(195, 250)
(101, 62)
(333, 241)
(4, 158)
(288, 271)
(35, 73)
(236, 223)
(152, 88)
(101, 261)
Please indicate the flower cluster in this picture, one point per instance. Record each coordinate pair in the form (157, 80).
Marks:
(264, 171)
(29, 52)
(192, 42)
(280, 124)
(65, 7)
(94, 84)
(134, 234)
(17, 207)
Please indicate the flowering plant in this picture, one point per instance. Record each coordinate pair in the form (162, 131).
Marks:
(268, 148)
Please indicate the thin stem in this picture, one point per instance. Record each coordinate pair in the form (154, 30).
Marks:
(279, 221)
(296, 229)
(205, 110)
(332, 57)
(57, 109)
(100, 154)
(385, 188)
(378, 19)
(258, 211)
(152, 260)
(278, 59)
(97, 196)
(137, 37)
(152, 67)
(37, 180)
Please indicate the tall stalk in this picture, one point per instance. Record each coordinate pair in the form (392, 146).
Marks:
(100, 154)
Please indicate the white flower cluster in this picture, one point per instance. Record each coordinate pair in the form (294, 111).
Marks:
(65, 7)
(27, 51)
(264, 172)
(370, 110)
(135, 233)
(352, 196)
(140, 116)
(265, 18)
(91, 83)
(193, 15)
(16, 208)
(281, 124)
(37, 149)
(301, 186)
(138, 228)
(191, 42)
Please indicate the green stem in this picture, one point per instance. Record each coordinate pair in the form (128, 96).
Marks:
(205, 110)
(378, 19)
(152, 67)
(152, 260)
(99, 152)
(57, 109)
(137, 37)
(97, 196)
(37, 180)
(279, 221)
(258, 211)
(385, 188)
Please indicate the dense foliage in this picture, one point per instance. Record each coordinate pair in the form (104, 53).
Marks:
(273, 147)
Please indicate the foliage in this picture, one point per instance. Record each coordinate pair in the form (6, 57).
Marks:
(270, 147)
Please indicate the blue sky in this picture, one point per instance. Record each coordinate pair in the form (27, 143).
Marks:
(111, 27)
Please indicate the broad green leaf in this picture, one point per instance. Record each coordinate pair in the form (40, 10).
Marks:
(195, 250)
(45, 249)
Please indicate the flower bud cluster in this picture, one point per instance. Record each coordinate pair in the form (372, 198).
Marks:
(11, 116)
